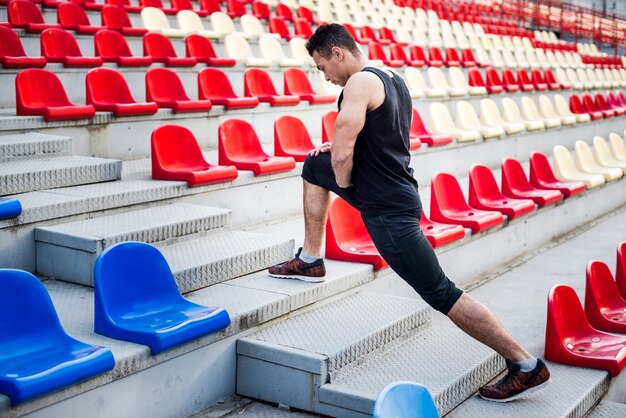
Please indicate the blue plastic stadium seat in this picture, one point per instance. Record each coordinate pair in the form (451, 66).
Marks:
(406, 400)
(36, 355)
(136, 299)
(9, 208)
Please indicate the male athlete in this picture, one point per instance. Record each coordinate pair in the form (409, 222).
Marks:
(367, 164)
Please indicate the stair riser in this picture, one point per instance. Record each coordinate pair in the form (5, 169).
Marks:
(34, 149)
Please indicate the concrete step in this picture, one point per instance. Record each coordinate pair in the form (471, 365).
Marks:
(53, 172)
(69, 251)
(608, 409)
(298, 355)
(33, 145)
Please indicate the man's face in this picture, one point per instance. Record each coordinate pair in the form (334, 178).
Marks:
(333, 68)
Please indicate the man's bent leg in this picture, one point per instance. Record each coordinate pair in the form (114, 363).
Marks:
(316, 201)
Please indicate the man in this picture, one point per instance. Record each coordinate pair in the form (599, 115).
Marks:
(367, 164)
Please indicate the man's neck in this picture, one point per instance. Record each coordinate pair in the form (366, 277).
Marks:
(360, 62)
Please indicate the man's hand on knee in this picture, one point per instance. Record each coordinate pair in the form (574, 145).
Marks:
(325, 147)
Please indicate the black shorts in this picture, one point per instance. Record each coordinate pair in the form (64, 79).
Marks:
(399, 240)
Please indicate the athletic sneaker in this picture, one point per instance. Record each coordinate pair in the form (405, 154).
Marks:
(516, 383)
(297, 269)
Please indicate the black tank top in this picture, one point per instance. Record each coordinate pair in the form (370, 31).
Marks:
(382, 180)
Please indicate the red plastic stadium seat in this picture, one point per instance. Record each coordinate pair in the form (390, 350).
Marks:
(525, 83)
(605, 107)
(210, 6)
(615, 103)
(306, 13)
(85, 4)
(620, 269)
(259, 9)
(396, 52)
(187, 5)
(328, 125)
(115, 17)
(165, 88)
(176, 155)
(214, 85)
(448, 205)
(515, 184)
(291, 139)
(476, 79)
(576, 106)
(435, 59)
(538, 80)
(419, 131)
(160, 49)
(509, 81)
(542, 177)
(303, 28)
(553, 84)
(108, 91)
(159, 5)
(591, 107)
(278, 25)
(284, 12)
(73, 17)
(439, 234)
(297, 83)
(493, 82)
(25, 14)
(376, 52)
(240, 146)
(201, 49)
(452, 58)
(40, 92)
(58, 45)
(125, 4)
(352, 32)
(347, 238)
(235, 8)
(12, 54)
(418, 57)
(604, 307)
(257, 83)
(368, 33)
(387, 37)
(484, 194)
(570, 339)
(111, 46)
(468, 58)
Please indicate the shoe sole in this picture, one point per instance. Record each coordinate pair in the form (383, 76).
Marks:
(307, 279)
(519, 395)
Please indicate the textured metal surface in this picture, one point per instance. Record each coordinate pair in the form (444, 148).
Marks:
(608, 409)
(49, 173)
(33, 145)
(221, 256)
(259, 410)
(146, 225)
(450, 363)
(349, 328)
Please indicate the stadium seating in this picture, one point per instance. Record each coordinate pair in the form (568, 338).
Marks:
(493, 82)
(570, 339)
(10, 207)
(542, 177)
(440, 234)
(239, 145)
(511, 113)
(200, 48)
(490, 116)
(40, 92)
(71, 16)
(440, 122)
(38, 356)
(297, 83)
(125, 4)
(603, 156)
(447, 205)
(458, 81)
(417, 86)
(515, 184)
(257, 83)
(419, 132)
(604, 307)
(548, 112)
(155, 20)
(187, 5)
(566, 170)
(586, 162)
(562, 109)
(291, 138)
(524, 80)
(116, 17)
(158, 5)
(591, 107)
(476, 80)
(158, 47)
(578, 107)
(108, 91)
(111, 46)
(165, 88)
(347, 238)
(58, 45)
(603, 105)
(617, 146)
(136, 299)
(509, 81)
(12, 54)
(466, 118)
(235, 8)
(437, 80)
(376, 52)
(484, 194)
(279, 26)
(223, 25)
(24, 14)
(272, 50)
(176, 155)
(537, 79)
(238, 48)
(407, 400)
(190, 23)
(214, 85)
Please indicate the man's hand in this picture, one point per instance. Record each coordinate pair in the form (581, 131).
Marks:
(325, 147)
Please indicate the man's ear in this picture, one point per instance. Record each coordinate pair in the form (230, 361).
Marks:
(337, 52)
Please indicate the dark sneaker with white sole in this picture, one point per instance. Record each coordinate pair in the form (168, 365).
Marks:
(517, 383)
(297, 269)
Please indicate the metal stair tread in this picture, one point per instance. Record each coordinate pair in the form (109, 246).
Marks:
(33, 145)
(608, 409)
(52, 163)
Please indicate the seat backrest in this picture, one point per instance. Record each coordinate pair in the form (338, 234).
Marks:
(164, 84)
(440, 118)
(584, 156)
(328, 125)
(537, 76)
(540, 169)
(490, 113)
(296, 82)
(514, 176)
(617, 146)
(457, 78)
(298, 49)
(576, 104)
(212, 6)
(270, 47)
(214, 83)
(71, 15)
(258, 83)
(476, 79)
(303, 27)
(154, 19)
(305, 13)
(368, 32)
(251, 24)
(111, 43)
(58, 43)
(546, 107)
(601, 102)
(466, 115)
(375, 51)
(620, 269)
(436, 78)
(529, 109)
(189, 21)
(386, 33)
(21, 12)
(346, 223)
(181, 4)
(114, 17)
(106, 85)
(602, 151)
(237, 47)
(279, 26)
(510, 111)
(566, 317)
(396, 52)
(10, 44)
(561, 105)
(447, 193)
(173, 145)
(434, 54)
(38, 87)
(157, 45)
(523, 76)
(493, 78)
(482, 183)
(199, 46)
(236, 7)
(588, 103)
(283, 11)
(239, 139)
(222, 23)
(417, 125)
(132, 277)
(601, 290)
(292, 134)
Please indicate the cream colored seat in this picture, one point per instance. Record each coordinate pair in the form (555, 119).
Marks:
(530, 111)
(527, 44)
(604, 156)
(541, 58)
(407, 22)
(507, 43)
(520, 57)
(531, 57)
(238, 48)
(436, 79)
(552, 61)
(449, 41)
(562, 109)
(468, 28)
(497, 42)
(440, 121)
(569, 58)
(252, 27)
(509, 59)
(272, 50)
(584, 79)
(458, 80)
(602, 79)
(462, 41)
(547, 110)
(419, 37)
(617, 147)
(466, 118)
(517, 43)
(298, 50)
(561, 76)
(325, 14)
(565, 169)
(496, 58)
(223, 24)
(190, 22)
(434, 38)
(403, 35)
(610, 77)
(417, 86)
(155, 20)
(572, 75)
(478, 29)
(511, 113)
(591, 76)
(490, 116)
(482, 56)
(560, 59)
(585, 162)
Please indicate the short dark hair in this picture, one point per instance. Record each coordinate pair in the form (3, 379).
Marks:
(328, 36)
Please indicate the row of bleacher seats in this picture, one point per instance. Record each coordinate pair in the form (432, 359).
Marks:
(40, 357)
